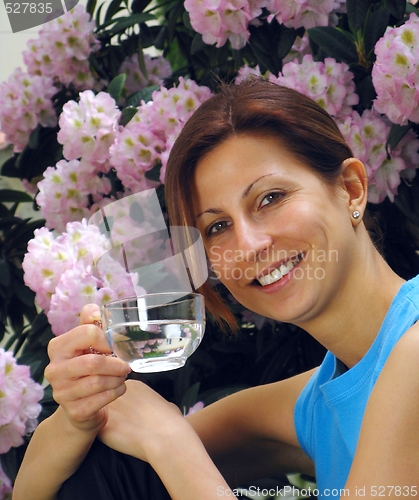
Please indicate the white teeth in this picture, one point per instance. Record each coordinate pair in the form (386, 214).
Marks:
(284, 270)
(277, 274)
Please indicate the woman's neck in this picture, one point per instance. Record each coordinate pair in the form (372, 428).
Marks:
(351, 323)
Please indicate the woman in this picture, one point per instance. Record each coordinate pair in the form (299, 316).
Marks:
(267, 178)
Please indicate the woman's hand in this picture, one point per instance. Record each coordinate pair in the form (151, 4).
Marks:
(83, 383)
(141, 422)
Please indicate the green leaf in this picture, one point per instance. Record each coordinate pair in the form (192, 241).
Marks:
(90, 7)
(357, 12)
(126, 115)
(14, 196)
(23, 293)
(144, 94)
(397, 132)
(34, 137)
(98, 14)
(127, 22)
(411, 9)
(33, 162)
(114, 7)
(286, 41)
(5, 273)
(8, 221)
(138, 6)
(260, 47)
(197, 44)
(335, 43)
(9, 169)
(22, 233)
(154, 173)
(375, 26)
(116, 85)
(160, 38)
(397, 8)
(141, 60)
(366, 91)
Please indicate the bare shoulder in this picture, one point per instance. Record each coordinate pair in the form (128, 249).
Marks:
(388, 446)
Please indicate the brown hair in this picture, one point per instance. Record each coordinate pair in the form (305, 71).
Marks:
(252, 107)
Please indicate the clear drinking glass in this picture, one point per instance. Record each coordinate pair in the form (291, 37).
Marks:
(155, 332)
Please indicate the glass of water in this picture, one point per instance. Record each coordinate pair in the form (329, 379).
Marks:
(155, 332)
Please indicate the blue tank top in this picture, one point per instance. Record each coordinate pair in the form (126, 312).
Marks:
(329, 411)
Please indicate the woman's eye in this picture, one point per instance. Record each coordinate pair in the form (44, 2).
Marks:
(216, 227)
(271, 198)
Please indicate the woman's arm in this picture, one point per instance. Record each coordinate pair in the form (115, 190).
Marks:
(251, 434)
(386, 462)
(83, 384)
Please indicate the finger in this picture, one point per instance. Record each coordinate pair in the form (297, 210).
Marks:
(83, 366)
(77, 341)
(84, 408)
(69, 391)
(89, 314)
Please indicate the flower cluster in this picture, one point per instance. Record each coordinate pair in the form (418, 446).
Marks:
(62, 273)
(307, 13)
(73, 189)
(63, 48)
(148, 138)
(69, 192)
(395, 72)
(19, 397)
(367, 136)
(328, 83)
(87, 128)
(26, 101)
(157, 69)
(225, 20)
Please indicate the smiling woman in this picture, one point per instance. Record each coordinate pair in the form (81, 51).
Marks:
(268, 113)
(267, 178)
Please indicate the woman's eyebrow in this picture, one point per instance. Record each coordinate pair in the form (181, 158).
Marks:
(245, 193)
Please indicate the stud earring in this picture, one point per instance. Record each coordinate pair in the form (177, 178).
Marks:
(356, 214)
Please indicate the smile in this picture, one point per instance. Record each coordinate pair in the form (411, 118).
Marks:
(280, 271)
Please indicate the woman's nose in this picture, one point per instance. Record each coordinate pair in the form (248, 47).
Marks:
(252, 240)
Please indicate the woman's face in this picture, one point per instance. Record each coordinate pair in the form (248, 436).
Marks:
(276, 234)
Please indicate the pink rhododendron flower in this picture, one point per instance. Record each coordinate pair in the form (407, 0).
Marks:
(19, 402)
(367, 136)
(63, 48)
(148, 137)
(329, 83)
(25, 102)
(157, 69)
(298, 13)
(65, 193)
(63, 274)
(87, 128)
(196, 407)
(395, 73)
(221, 20)
(247, 72)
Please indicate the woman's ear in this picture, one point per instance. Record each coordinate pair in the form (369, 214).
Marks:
(355, 181)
